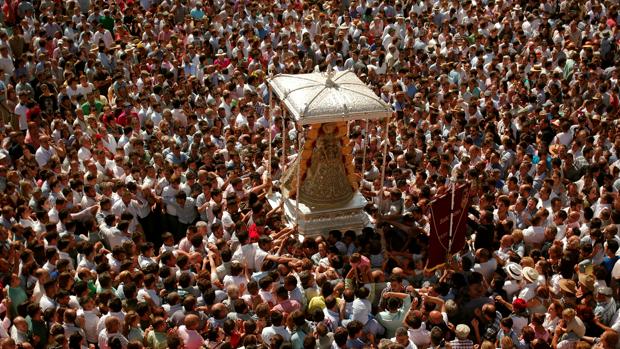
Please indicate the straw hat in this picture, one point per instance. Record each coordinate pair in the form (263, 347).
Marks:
(587, 281)
(514, 270)
(568, 286)
(530, 274)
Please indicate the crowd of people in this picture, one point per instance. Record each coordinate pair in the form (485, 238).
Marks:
(135, 168)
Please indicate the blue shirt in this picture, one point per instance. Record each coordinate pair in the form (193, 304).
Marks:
(609, 263)
(411, 90)
(297, 339)
(355, 343)
(197, 13)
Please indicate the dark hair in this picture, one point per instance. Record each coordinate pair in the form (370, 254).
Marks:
(341, 335)
(354, 327)
(276, 318)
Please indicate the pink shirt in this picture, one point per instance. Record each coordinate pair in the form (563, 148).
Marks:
(287, 307)
(191, 338)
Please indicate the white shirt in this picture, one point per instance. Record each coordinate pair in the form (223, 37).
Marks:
(246, 254)
(101, 324)
(145, 261)
(615, 272)
(361, 310)
(533, 235)
(518, 323)
(528, 292)
(511, 287)
(115, 264)
(21, 110)
(43, 155)
(149, 293)
(169, 196)
(267, 296)
(106, 36)
(241, 120)
(420, 337)
(85, 90)
(411, 345)
(46, 303)
(113, 236)
(270, 331)
(259, 258)
(91, 319)
(333, 317)
(104, 338)
(564, 138)
(487, 268)
(234, 280)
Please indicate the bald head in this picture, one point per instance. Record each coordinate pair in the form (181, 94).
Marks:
(489, 310)
(219, 311)
(435, 317)
(20, 321)
(192, 321)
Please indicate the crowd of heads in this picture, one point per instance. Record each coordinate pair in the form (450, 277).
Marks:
(140, 148)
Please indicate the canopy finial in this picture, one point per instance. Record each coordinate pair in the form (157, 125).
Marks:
(330, 74)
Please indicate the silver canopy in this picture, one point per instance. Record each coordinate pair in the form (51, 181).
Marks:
(328, 97)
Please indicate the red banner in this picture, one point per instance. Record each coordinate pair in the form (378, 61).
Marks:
(440, 231)
(440, 247)
(459, 212)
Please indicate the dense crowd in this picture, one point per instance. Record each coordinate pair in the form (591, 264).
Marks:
(135, 171)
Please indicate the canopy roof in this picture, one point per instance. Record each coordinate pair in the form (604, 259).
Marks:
(328, 97)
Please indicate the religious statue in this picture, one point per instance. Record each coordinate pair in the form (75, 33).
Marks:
(326, 180)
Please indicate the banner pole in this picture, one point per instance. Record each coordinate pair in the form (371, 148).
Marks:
(298, 184)
(284, 135)
(365, 145)
(451, 216)
(269, 132)
(383, 165)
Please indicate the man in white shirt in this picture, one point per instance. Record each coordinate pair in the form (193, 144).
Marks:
(403, 339)
(485, 263)
(362, 308)
(114, 235)
(246, 252)
(241, 118)
(127, 204)
(116, 312)
(149, 292)
(47, 300)
(19, 330)
(84, 152)
(104, 35)
(275, 328)
(91, 319)
(111, 333)
(45, 152)
(418, 334)
(21, 110)
(534, 235)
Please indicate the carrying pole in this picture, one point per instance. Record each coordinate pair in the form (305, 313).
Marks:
(383, 165)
